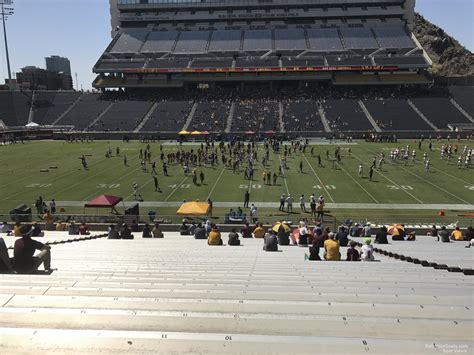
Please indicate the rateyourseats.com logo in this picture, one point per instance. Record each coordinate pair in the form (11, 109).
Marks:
(449, 348)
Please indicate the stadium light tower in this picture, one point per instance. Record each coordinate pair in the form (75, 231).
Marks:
(6, 10)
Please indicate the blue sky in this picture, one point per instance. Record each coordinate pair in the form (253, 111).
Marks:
(80, 30)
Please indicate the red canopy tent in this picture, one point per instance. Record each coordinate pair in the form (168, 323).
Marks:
(104, 201)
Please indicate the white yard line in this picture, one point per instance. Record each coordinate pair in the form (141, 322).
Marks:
(314, 172)
(357, 182)
(453, 176)
(434, 185)
(215, 184)
(388, 179)
(284, 176)
(176, 188)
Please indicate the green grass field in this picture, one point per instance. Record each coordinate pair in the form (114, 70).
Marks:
(410, 191)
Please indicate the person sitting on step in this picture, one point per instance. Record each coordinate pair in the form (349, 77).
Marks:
(233, 238)
(352, 252)
(331, 248)
(367, 252)
(24, 260)
(214, 237)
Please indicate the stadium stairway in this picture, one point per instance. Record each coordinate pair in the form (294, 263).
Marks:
(178, 295)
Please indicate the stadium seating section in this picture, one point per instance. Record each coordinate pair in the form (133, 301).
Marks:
(49, 105)
(122, 116)
(293, 111)
(350, 46)
(14, 108)
(168, 116)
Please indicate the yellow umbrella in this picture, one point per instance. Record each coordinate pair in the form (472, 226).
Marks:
(193, 209)
(183, 132)
(279, 225)
(395, 229)
(196, 132)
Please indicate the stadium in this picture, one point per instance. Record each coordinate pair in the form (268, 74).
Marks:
(304, 116)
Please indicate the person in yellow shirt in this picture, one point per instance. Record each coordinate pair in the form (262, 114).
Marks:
(60, 226)
(259, 232)
(214, 237)
(456, 234)
(331, 248)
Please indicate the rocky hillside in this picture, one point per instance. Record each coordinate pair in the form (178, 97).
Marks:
(449, 56)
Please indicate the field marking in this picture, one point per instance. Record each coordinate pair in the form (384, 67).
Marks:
(314, 172)
(284, 175)
(453, 176)
(57, 178)
(357, 182)
(426, 180)
(388, 179)
(434, 185)
(119, 179)
(215, 184)
(175, 189)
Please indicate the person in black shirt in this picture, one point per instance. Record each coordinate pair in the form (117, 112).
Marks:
(24, 259)
(341, 237)
(233, 238)
(5, 261)
(381, 236)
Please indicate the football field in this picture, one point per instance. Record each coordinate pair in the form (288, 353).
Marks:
(52, 169)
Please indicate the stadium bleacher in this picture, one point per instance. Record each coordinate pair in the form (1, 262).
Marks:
(440, 111)
(393, 37)
(15, 107)
(255, 115)
(302, 116)
(464, 96)
(346, 115)
(257, 62)
(122, 116)
(225, 41)
(324, 40)
(86, 110)
(160, 42)
(212, 63)
(192, 42)
(257, 41)
(395, 114)
(130, 41)
(210, 116)
(358, 38)
(178, 295)
(51, 104)
(168, 116)
(290, 40)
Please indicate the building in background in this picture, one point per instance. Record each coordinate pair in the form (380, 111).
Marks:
(58, 64)
(34, 78)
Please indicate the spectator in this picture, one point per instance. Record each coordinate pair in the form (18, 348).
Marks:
(208, 227)
(352, 253)
(341, 237)
(73, 228)
(135, 227)
(126, 232)
(303, 234)
(5, 228)
(5, 261)
(233, 238)
(367, 252)
(411, 236)
(214, 237)
(254, 214)
(331, 249)
(270, 241)
(83, 230)
(283, 236)
(24, 249)
(37, 232)
(48, 221)
(156, 231)
(367, 231)
(246, 231)
(433, 231)
(443, 235)
(200, 232)
(113, 233)
(61, 226)
(456, 234)
(381, 236)
(259, 232)
(184, 228)
(469, 234)
(146, 233)
(17, 229)
(355, 231)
